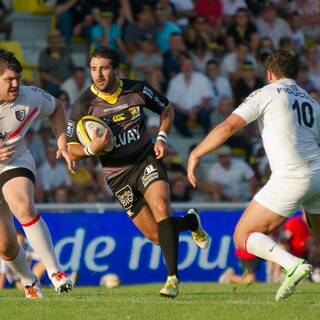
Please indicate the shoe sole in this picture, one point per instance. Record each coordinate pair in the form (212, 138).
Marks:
(290, 290)
(196, 213)
(163, 295)
(65, 288)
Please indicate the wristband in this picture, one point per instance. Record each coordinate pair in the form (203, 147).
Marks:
(88, 151)
(162, 136)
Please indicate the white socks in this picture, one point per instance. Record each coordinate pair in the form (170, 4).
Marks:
(40, 240)
(264, 247)
(21, 267)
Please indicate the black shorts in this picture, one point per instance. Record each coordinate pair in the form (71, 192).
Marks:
(129, 187)
(7, 175)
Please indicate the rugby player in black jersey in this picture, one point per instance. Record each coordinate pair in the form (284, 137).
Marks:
(134, 169)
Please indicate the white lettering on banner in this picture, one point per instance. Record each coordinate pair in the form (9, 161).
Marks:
(221, 259)
(76, 243)
(91, 254)
(138, 243)
(191, 252)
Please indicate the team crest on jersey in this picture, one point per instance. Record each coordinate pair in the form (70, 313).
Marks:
(3, 135)
(20, 115)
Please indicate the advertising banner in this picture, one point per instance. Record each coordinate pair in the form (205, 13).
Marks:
(98, 243)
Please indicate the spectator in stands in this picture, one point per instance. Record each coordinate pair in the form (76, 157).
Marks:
(184, 11)
(211, 10)
(242, 30)
(5, 25)
(36, 146)
(53, 173)
(147, 63)
(220, 84)
(61, 195)
(227, 177)
(201, 55)
(312, 60)
(190, 93)
(107, 32)
(76, 84)
(233, 61)
(180, 190)
(199, 29)
(247, 83)
(309, 15)
(223, 109)
(303, 79)
(144, 24)
(64, 98)
(64, 17)
(172, 58)
(269, 24)
(230, 8)
(55, 64)
(165, 28)
(82, 19)
(298, 36)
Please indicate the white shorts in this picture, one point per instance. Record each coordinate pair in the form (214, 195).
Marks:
(3, 267)
(25, 160)
(285, 196)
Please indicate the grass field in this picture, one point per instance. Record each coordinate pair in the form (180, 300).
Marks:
(199, 301)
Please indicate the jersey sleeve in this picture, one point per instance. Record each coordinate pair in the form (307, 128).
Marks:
(71, 130)
(44, 101)
(253, 106)
(154, 100)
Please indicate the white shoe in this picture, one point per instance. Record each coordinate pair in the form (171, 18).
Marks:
(61, 282)
(33, 291)
(225, 277)
(200, 237)
(293, 277)
(171, 288)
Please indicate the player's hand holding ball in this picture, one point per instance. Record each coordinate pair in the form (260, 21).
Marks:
(101, 142)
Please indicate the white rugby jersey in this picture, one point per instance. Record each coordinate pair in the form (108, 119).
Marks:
(17, 116)
(289, 123)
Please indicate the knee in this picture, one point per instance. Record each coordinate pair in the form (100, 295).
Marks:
(23, 210)
(239, 239)
(161, 209)
(8, 251)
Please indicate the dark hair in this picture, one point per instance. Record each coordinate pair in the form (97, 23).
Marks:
(9, 61)
(282, 64)
(106, 53)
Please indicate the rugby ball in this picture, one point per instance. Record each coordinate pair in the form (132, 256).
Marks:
(86, 127)
(110, 281)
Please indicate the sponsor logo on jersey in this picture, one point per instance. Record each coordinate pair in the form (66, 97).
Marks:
(127, 137)
(118, 117)
(20, 115)
(125, 197)
(148, 92)
(159, 102)
(70, 128)
(3, 135)
(150, 174)
(135, 112)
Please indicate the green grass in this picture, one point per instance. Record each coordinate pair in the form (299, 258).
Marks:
(197, 301)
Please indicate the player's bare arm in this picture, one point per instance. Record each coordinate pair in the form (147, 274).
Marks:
(58, 123)
(98, 145)
(212, 141)
(166, 119)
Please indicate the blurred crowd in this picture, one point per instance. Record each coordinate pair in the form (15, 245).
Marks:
(206, 56)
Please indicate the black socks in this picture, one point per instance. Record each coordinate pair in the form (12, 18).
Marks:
(168, 238)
